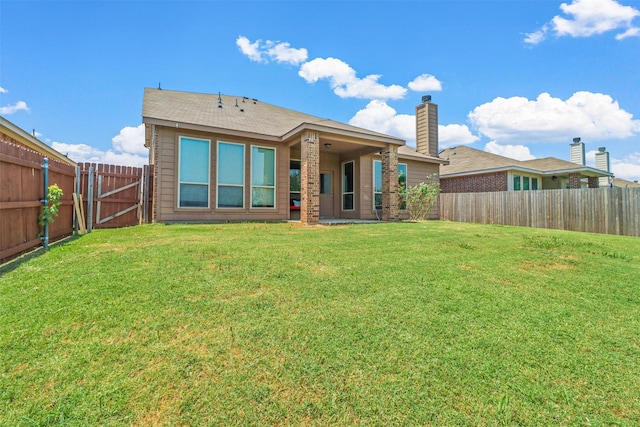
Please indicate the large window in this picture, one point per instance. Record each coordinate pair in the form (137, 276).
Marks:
(230, 175)
(193, 173)
(263, 177)
(524, 183)
(377, 182)
(347, 186)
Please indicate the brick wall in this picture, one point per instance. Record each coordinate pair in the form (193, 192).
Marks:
(475, 183)
(574, 180)
(309, 177)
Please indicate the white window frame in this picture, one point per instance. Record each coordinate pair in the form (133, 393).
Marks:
(521, 177)
(275, 178)
(208, 184)
(342, 192)
(244, 161)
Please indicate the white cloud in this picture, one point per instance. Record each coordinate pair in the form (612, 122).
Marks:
(380, 117)
(11, 109)
(128, 149)
(518, 152)
(628, 167)
(281, 52)
(251, 50)
(585, 18)
(453, 135)
(284, 53)
(342, 79)
(3, 90)
(130, 140)
(591, 115)
(631, 32)
(425, 82)
(537, 36)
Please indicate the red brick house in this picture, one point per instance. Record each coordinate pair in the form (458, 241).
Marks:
(470, 171)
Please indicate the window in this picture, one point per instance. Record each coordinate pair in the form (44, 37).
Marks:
(347, 186)
(263, 177)
(193, 173)
(523, 182)
(402, 182)
(294, 183)
(230, 175)
(377, 182)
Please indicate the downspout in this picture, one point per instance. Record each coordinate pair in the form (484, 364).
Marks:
(45, 201)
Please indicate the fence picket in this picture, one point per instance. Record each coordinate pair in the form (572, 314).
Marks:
(602, 210)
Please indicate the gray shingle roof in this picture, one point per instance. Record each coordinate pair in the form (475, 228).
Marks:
(467, 160)
(238, 114)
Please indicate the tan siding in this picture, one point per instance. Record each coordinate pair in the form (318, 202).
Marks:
(168, 179)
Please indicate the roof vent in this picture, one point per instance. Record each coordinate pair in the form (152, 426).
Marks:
(426, 99)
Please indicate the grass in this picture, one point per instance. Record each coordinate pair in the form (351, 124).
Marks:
(275, 324)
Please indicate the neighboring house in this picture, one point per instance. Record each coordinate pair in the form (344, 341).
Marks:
(232, 158)
(11, 133)
(623, 183)
(471, 170)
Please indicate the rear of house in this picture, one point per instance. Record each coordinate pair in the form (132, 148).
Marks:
(225, 158)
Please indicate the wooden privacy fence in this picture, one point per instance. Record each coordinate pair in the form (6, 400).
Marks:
(594, 210)
(21, 194)
(111, 196)
(114, 196)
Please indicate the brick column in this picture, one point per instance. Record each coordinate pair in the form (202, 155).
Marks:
(310, 177)
(574, 180)
(593, 182)
(390, 183)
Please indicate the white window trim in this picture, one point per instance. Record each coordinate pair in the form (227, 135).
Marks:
(244, 168)
(275, 179)
(194, 183)
(342, 192)
(512, 175)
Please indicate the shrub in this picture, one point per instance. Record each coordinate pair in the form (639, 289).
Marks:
(421, 198)
(49, 212)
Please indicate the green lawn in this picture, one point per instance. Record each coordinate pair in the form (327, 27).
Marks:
(276, 324)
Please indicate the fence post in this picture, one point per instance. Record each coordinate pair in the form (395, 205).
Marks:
(145, 205)
(90, 200)
(77, 190)
(45, 201)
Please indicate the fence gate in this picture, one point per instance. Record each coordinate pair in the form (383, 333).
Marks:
(113, 196)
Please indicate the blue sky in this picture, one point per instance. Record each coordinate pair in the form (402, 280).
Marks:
(518, 78)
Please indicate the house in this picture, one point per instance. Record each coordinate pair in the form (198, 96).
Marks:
(471, 170)
(233, 158)
(12, 134)
(623, 183)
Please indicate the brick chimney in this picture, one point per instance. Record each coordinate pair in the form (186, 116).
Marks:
(427, 127)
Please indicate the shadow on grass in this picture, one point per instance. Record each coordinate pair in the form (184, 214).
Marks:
(17, 262)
